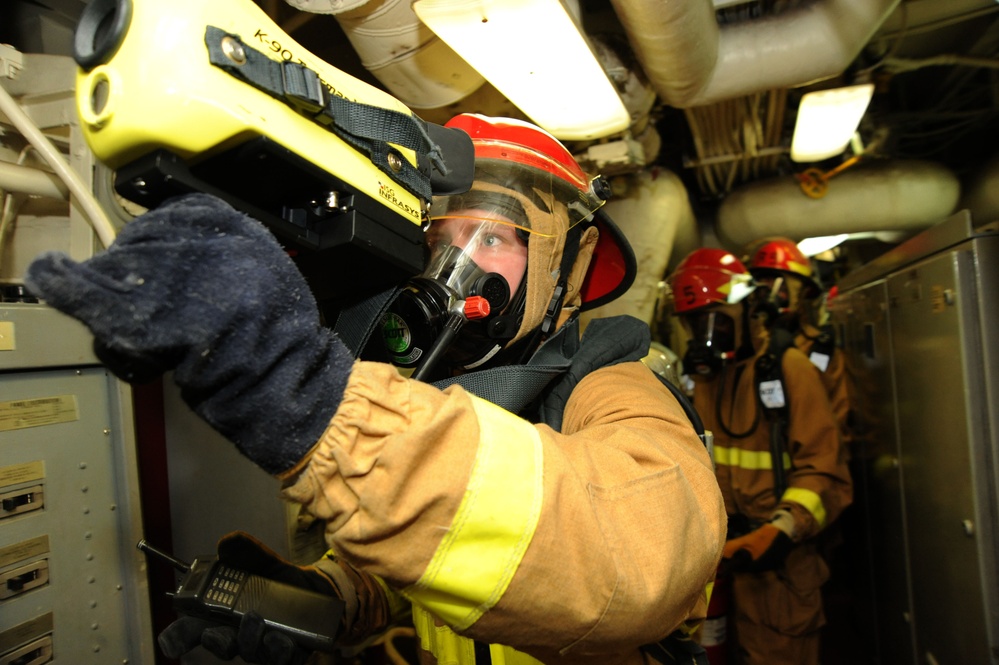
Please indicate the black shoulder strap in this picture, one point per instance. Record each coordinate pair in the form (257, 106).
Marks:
(771, 392)
(768, 365)
(826, 341)
(692, 415)
(540, 388)
(515, 387)
(605, 342)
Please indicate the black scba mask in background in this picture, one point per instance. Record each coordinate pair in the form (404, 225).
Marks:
(712, 342)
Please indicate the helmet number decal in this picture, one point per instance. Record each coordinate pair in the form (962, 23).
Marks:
(689, 294)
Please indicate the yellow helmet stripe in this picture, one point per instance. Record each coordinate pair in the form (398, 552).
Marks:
(801, 269)
(810, 500)
(493, 526)
(747, 459)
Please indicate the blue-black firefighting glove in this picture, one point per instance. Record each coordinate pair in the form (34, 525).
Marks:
(196, 287)
(252, 640)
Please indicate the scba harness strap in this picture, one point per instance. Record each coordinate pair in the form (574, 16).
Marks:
(773, 397)
(823, 347)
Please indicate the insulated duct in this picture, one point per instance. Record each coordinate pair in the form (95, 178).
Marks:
(888, 196)
(691, 61)
(407, 58)
(653, 211)
(982, 197)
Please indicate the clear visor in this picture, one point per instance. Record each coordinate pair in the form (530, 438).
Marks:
(778, 291)
(712, 328)
(466, 245)
(511, 192)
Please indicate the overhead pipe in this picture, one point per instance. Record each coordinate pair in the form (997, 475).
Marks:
(31, 181)
(691, 61)
(654, 212)
(982, 196)
(82, 193)
(404, 55)
(903, 196)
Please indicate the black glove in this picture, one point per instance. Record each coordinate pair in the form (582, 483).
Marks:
(197, 287)
(252, 641)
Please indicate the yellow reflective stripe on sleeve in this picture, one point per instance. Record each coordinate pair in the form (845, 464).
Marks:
(503, 655)
(810, 500)
(747, 459)
(495, 522)
(449, 648)
(440, 640)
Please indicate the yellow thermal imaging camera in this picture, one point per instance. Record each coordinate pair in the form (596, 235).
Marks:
(187, 96)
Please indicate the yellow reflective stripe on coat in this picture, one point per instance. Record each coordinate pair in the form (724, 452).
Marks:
(452, 649)
(747, 459)
(493, 526)
(810, 500)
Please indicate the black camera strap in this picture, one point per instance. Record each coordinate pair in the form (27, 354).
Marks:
(369, 129)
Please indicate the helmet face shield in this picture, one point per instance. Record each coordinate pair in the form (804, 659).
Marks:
(776, 291)
(712, 341)
(781, 298)
(533, 199)
(711, 327)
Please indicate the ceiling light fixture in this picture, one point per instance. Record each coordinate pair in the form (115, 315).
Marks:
(819, 244)
(827, 120)
(532, 52)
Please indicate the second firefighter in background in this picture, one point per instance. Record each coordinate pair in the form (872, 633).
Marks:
(777, 499)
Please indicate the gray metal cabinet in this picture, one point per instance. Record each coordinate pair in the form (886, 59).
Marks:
(920, 326)
(885, 602)
(72, 584)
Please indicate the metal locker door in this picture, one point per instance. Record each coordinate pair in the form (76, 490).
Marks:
(938, 365)
(863, 314)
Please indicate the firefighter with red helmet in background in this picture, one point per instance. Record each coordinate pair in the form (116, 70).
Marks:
(581, 525)
(778, 458)
(779, 266)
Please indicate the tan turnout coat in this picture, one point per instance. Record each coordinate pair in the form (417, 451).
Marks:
(628, 521)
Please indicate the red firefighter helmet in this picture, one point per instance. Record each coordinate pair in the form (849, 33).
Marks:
(516, 157)
(782, 255)
(709, 276)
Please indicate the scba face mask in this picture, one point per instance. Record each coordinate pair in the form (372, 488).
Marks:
(526, 186)
(454, 310)
(712, 342)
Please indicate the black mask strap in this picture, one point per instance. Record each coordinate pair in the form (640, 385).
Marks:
(569, 253)
(354, 323)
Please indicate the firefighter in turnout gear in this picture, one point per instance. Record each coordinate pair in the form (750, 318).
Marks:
(779, 460)
(779, 265)
(581, 525)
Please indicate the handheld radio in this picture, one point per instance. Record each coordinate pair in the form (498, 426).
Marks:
(212, 590)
